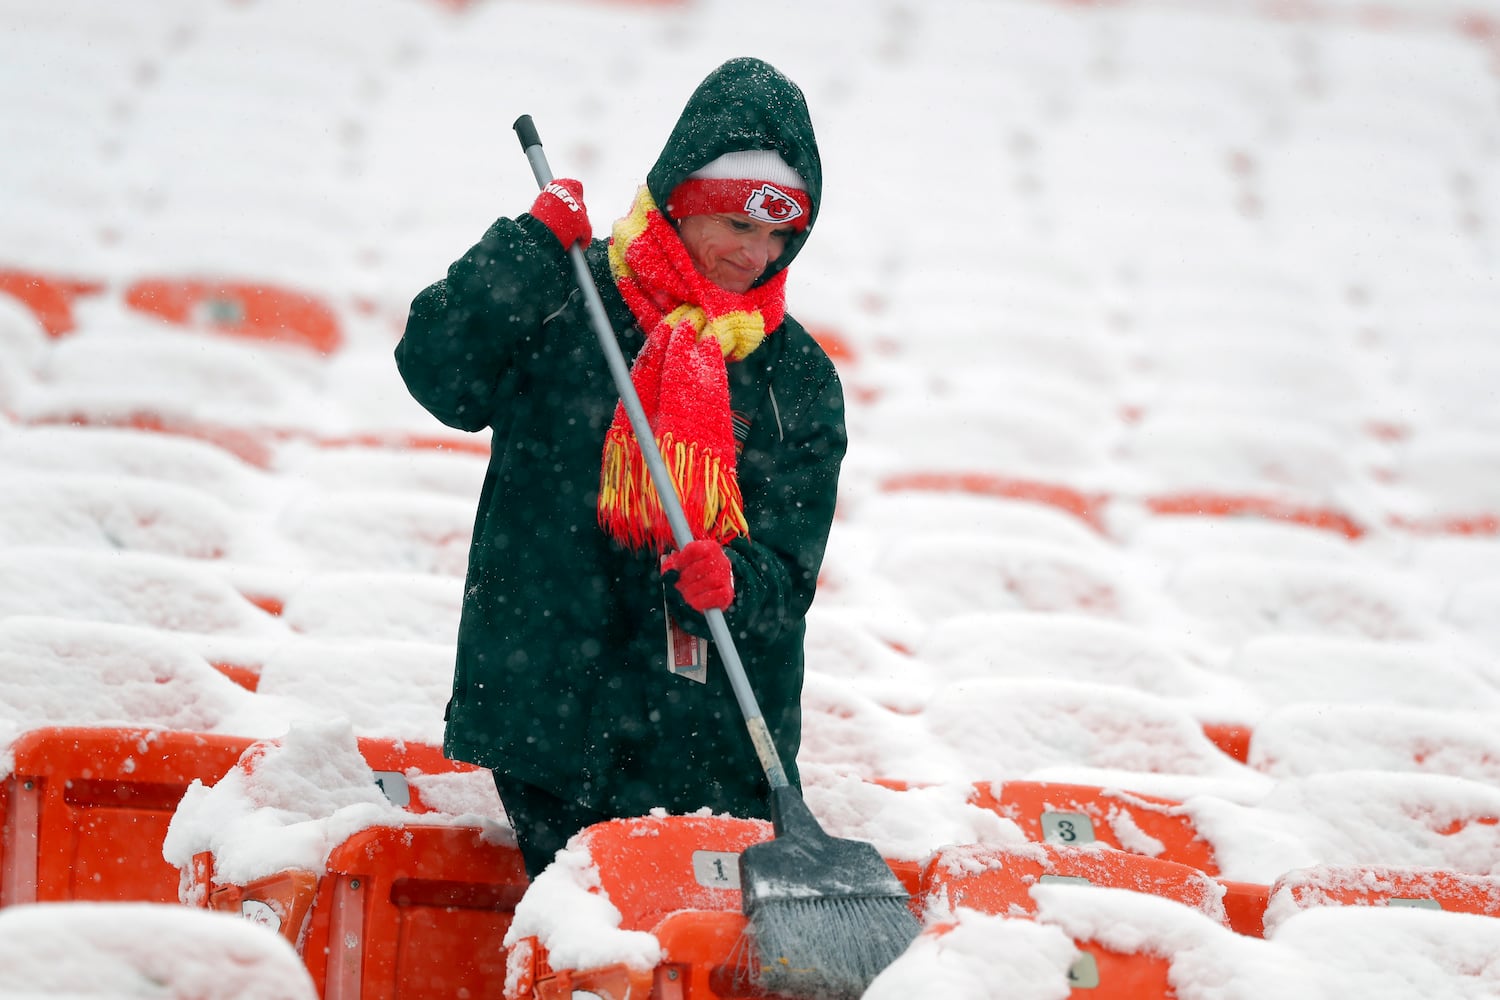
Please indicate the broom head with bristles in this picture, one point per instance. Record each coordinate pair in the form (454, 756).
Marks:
(827, 915)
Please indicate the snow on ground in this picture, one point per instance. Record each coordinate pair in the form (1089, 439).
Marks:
(1094, 270)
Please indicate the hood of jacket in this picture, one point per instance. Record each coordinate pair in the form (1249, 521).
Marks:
(744, 104)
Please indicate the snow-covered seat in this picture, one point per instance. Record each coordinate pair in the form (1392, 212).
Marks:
(1382, 885)
(1451, 385)
(999, 880)
(337, 677)
(24, 344)
(1022, 438)
(1238, 597)
(127, 588)
(1410, 313)
(1140, 168)
(1072, 815)
(960, 575)
(945, 958)
(152, 367)
(1354, 817)
(1474, 606)
(386, 864)
(1085, 504)
(1447, 482)
(847, 730)
(1446, 69)
(397, 909)
(1267, 454)
(411, 607)
(1284, 671)
(660, 895)
(56, 949)
(79, 510)
(1345, 178)
(1314, 738)
(1193, 371)
(1070, 647)
(1145, 948)
(240, 308)
(61, 670)
(396, 460)
(889, 514)
(390, 531)
(1224, 296)
(48, 297)
(136, 454)
(1039, 729)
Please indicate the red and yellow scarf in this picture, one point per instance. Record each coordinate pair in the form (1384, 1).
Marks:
(693, 327)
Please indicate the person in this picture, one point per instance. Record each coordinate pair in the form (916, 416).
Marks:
(584, 678)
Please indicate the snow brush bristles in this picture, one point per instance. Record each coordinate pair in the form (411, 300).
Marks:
(826, 915)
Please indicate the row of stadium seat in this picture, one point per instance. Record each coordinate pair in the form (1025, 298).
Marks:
(274, 314)
(87, 808)
(235, 308)
(674, 889)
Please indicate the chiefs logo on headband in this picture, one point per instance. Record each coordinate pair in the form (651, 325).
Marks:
(769, 203)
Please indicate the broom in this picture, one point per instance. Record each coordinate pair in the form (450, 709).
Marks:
(827, 914)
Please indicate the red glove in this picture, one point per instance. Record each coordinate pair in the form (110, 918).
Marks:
(704, 577)
(560, 208)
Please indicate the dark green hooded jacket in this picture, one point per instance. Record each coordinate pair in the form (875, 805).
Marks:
(561, 678)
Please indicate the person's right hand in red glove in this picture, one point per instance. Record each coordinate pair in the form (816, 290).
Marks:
(560, 208)
(705, 578)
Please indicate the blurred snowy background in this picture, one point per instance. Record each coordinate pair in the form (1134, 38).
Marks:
(1169, 334)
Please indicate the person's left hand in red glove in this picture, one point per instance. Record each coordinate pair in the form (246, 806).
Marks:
(704, 576)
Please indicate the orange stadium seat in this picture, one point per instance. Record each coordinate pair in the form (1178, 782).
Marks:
(1230, 505)
(1101, 971)
(279, 902)
(49, 298)
(1104, 972)
(242, 309)
(89, 809)
(701, 948)
(998, 880)
(394, 761)
(1387, 885)
(423, 910)
(253, 448)
(5, 833)
(677, 877)
(460, 442)
(835, 345)
(415, 910)
(1476, 523)
(1231, 737)
(1087, 507)
(1074, 815)
(1245, 906)
(246, 676)
(693, 864)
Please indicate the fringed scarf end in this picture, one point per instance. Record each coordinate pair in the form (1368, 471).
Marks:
(630, 509)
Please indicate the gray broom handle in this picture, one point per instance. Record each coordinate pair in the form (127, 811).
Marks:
(760, 734)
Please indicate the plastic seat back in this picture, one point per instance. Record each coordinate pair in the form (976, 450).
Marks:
(1075, 815)
(89, 810)
(999, 880)
(653, 866)
(1383, 885)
